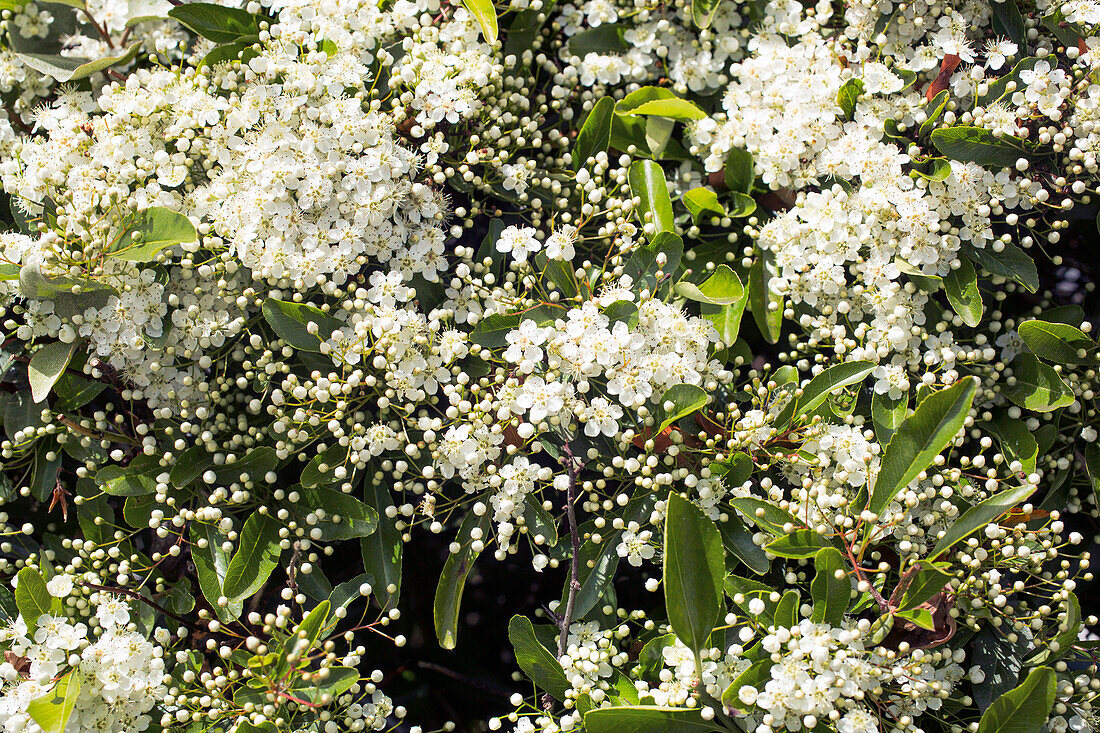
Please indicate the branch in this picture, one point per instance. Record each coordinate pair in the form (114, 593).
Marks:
(575, 561)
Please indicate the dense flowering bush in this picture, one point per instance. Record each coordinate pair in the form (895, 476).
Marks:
(761, 327)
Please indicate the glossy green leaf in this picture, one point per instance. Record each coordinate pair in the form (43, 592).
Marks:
(46, 367)
(757, 675)
(536, 661)
(799, 543)
(723, 287)
(149, 231)
(739, 172)
(660, 102)
(737, 539)
(31, 597)
(887, 414)
(979, 515)
(961, 286)
(320, 469)
(256, 557)
(382, 549)
(125, 481)
(70, 68)
(1069, 631)
(53, 710)
(766, 306)
(645, 719)
(190, 465)
(452, 582)
(220, 24)
(604, 38)
(702, 200)
(1016, 441)
(923, 586)
(642, 265)
(1011, 263)
(1025, 708)
(830, 593)
(1059, 343)
(977, 145)
(595, 133)
(821, 386)
(211, 564)
(694, 568)
(764, 514)
(1037, 386)
(920, 438)
(299, 324)
(345, 517)
(647, 183)
(848, 95)
(685, 399)
(486, 13)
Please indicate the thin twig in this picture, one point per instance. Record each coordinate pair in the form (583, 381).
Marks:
(575, 541)
(138, 597)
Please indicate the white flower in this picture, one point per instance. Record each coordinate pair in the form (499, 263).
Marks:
(60, 586)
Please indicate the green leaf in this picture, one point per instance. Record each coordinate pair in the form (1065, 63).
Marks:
(31, 597)
(926, 583)
(800, 543)
(660, 102)
(74, 392)
(219, 23)
(452, 581)
(739, 173)
(242, 51)
(726, 318)
(605, 38)
(1001, 660)
(211, 565)
(702, 12)
(339, 681)
(1024, 709)
(382, 549)
(1059, 343)
(764, 514)
(721, 288)
(936, 107)
(125, 481)
(190, 466)
(693, 571)
(976, 145)
(53, 710)
(1009, 22)
(830, 594)
(961, 286)
(821, 386)
(536, 661)
(743, 205)
(645, 719)
(849, 95)
(304, 636)
(647, 183)
(356, 519)
(150, 231)
(1037, 387)
(737, 540)
(761, 297)
(887, 414)
(701, 199)
(921, 437)
(1092, 467)
(979, 515)
(46, 367)
(319, 470)
(685, 399)
(1067, 636)
(748, 589)
(486, 13)
(757, 675)
(69, 68)
(257, 555)
(598, 565)
(786, 611)
(1010, 263)
(595, 133)
(301, 325)
(642, 265)
(1016, 441)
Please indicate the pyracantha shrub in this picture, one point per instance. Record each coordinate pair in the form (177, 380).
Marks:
(755, 335)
